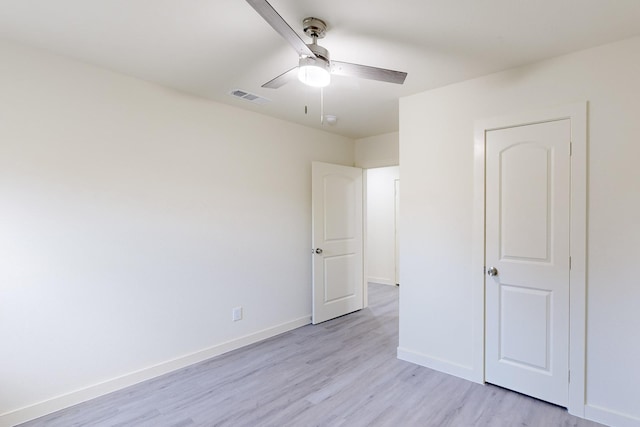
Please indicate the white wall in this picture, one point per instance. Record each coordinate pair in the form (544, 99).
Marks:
(381, 224)
(436, 153)
(133, 219)
(377, 151)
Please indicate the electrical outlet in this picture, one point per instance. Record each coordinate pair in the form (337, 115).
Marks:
(236, 314)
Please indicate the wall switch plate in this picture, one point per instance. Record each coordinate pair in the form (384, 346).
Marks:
(236, 314)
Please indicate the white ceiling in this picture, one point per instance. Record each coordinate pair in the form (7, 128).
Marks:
(209, 47)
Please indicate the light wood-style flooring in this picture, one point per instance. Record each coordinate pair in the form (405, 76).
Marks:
(340, 373)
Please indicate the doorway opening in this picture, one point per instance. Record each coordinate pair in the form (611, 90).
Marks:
(382, 226)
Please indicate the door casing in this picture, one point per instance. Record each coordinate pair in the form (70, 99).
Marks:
(577, 114)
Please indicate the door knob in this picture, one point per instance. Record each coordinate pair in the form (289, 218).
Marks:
(318, 251)
(492, 271)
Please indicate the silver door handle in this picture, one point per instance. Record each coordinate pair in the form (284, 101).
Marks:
(492, 271)
(318, 251)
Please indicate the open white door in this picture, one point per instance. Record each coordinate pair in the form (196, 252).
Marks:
(337, 240)
(527, 259)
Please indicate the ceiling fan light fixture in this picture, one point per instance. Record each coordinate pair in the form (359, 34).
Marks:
(314, 72)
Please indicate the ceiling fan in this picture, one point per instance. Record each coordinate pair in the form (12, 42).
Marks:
(314, 66)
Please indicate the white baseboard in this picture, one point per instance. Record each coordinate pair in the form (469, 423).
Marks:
(55, 404)
(457, 370)
(381, 281)
(591, 412)
(609, 417)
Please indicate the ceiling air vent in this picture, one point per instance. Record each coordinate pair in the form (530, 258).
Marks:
(247, 96)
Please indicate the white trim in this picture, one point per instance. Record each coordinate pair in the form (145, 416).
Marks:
(60, 402)
(396, 229)
(609, 417)
(577, 113)
(378, 163)
(365, 244)
(462, 371)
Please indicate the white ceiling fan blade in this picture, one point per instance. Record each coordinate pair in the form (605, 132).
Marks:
(366, 72)
(274, 19)
(282, 79)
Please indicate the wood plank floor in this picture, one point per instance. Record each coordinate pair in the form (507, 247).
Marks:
(340, 373)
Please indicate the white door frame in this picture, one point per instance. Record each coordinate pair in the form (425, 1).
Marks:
(577, 113)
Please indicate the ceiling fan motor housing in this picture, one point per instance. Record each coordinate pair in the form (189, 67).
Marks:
(319, 51)
(318, 62)
(321, 59)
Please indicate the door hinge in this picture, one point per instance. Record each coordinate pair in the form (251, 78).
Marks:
(570, 148)
(569, 263)
(569, 375)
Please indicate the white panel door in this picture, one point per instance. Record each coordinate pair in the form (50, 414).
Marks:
(337, 241)
(527, 259)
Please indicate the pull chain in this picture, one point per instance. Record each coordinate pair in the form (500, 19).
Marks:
(321, 105)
